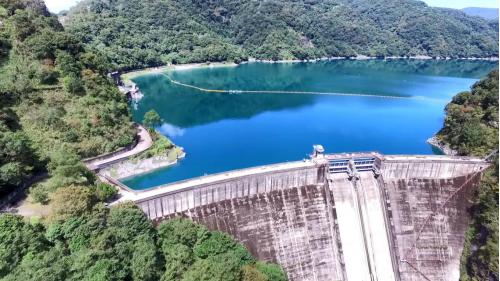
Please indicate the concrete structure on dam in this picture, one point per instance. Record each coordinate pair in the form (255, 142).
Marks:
(361, 216)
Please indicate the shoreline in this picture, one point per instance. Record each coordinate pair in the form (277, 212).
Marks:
(444, 148)
(131, 168)
(362, 57)
(127, 76)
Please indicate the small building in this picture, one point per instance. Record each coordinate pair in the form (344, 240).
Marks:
(116, 78)
(318, 151)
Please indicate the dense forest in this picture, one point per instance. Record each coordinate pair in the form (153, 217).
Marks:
(87, 241)
(135, 33)
(471, 124)
(471, 128)
(57, 106)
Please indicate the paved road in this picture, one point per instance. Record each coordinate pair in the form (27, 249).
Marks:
(144, 143)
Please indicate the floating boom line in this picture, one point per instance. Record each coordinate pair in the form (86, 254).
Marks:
(283, 92)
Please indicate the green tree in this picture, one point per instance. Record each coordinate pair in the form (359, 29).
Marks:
(66, 169)
(105, 192)
(151, 119)
(179, 257)
(201, 31)
(73, 84)
(71, 201)
(471, 123)
(145, 262)
(39, 194)
(217, 268)
(250, 273)
(52, 264)
(17, 239)
(471, 127)
(273, 272)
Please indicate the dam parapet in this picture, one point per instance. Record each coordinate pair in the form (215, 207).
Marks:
(349, 216)
(173, 198)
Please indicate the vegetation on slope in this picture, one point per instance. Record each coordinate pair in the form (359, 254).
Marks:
(471, 124)
(83, 241)
(471, 127)
(56, 104)
(134, 33)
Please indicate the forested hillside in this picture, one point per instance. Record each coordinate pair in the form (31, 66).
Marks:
(471, 124)
(56, 107)
(56, 103)
(471, 127)
(136, 33)
(98, 243)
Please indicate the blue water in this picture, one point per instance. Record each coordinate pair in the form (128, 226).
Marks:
(221, 132)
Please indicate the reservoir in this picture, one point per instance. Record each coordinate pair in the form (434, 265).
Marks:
(227, 131)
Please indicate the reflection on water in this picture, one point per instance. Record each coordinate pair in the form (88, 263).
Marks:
(228, 131)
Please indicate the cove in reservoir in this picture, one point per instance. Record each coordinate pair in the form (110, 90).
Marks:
(221, 131)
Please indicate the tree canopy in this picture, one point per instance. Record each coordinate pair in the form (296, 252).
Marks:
(56, 104)
(92, 242)
(471, 124)
(471, 128)
(136, 34)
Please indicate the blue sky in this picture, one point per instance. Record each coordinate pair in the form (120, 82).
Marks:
(458, 4)
(56, 6)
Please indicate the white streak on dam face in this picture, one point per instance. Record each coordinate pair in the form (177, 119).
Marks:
(403, 220)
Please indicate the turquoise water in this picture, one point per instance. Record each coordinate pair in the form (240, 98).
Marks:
(223, 132)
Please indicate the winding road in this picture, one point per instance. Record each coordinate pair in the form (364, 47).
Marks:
(145, 142)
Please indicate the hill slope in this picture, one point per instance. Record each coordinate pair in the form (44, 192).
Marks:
(471, 124)
(136, 33)
(471, 127)
(56, 104)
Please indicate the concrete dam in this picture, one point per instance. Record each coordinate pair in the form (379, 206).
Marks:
(356, 217)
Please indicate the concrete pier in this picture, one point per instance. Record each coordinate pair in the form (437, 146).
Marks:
(358, 216)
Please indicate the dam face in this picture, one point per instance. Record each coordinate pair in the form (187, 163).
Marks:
(360, 216)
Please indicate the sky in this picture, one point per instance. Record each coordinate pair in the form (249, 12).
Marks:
(459, 4)
(56, 6)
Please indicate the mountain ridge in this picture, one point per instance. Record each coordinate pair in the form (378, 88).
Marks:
(187, 31)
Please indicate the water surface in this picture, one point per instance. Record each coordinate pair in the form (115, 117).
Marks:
(223, 132)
